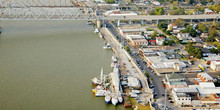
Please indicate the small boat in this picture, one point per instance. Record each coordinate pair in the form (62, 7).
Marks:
(96, 81)
(107, 46)
(98, 88)
(120, 99)
(107, 98)
(90, 23)
(100, 93)
(96, 30)
(114, 100)
(100, 35)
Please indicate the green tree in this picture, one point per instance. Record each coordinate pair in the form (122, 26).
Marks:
(180, 22)
(189, 29)
(110, 1)
(202, 27)
(158, 11)
(213, 50)
(154, 34)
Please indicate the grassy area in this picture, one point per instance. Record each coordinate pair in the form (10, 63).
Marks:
(140, 106)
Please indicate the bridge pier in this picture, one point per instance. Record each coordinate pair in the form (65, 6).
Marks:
(142, 22)
(118, 22)
(130, 22)
(98, 24)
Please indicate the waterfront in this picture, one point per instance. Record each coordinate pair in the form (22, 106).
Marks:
(47, 65)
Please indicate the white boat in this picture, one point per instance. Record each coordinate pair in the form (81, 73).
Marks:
(101, 36)
(107, 98)
(114, 100)
(96, 81)
(90, 23)
(107, 46)
(96, 30)
(100, 93)
(120, 99)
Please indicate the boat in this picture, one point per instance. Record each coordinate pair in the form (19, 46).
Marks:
(107, 46)
(114, 100)
(100, 93)
(97, 89)
(90, 23)
(96, 30)
(100, 35)
(96, 81)
(107, 98)
(120, 99)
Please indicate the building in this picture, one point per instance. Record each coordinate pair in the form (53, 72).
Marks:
(119, 13)
(175, 28)
(215, 65)
(204, 35)
(203, 94)
(203, 77)
(131, 30)
(184, 37)
(160, 40)
(208, 11)
(136, 40)
(212, 57)
(175, 80)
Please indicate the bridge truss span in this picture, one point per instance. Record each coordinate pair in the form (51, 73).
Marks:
(44, 10)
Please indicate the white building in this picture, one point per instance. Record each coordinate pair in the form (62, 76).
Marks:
(215, 65)
(160, 40)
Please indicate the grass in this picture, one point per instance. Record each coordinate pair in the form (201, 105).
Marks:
(140, 106)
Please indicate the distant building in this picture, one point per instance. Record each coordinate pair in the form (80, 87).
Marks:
(211, 58)
(137, 40)
(160, 40)
(204, 35)
(215, 65)
(208, 11)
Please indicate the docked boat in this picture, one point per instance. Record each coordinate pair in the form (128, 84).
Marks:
(107, 46)
(96, 30)
(95, 90)
(101, 36)
(114, 100)
(96, 81)
(100, 93)
(107, 98)
(120, 99)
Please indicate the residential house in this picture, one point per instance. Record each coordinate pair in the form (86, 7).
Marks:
(215, 65)
(160, 40)
(175, 80)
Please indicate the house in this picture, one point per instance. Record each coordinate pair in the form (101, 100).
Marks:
(206, 46)
(204, 35)
(175, 28)
(160, 40)
(175, 80)
(184, 37)
(215, 65)
(196, 39)
(208, 11)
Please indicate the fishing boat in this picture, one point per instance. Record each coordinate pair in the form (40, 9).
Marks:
(101, 36)
(114, 100)
(107, 98)
(96, 30)
(96, 81)
(107, 46)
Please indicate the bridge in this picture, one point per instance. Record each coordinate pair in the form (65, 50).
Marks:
(75, 10)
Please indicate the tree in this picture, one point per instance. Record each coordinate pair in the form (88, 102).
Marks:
(190, 1)
(180, 22)
(217, 8)
(212, 31)
(202, 27)
(195, 51)
(189, 29)
(154, 34)
(162, 25)
(158, 11)
(213, 50)
(110, 1)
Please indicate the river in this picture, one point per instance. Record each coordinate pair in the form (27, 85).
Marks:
(47, 65)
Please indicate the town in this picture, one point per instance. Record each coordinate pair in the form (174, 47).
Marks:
(179, 58)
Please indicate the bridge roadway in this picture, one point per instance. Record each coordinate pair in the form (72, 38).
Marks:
(161, 17)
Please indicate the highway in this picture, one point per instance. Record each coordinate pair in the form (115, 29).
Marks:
(162, 17)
